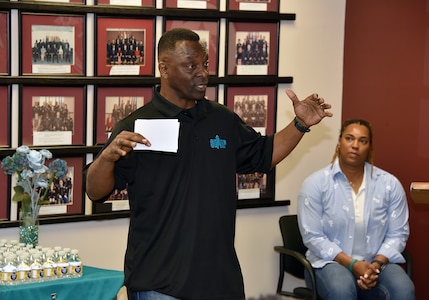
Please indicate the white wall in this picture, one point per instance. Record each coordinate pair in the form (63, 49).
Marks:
(311, 50)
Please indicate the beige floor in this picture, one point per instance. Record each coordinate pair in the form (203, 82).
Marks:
(122, 295)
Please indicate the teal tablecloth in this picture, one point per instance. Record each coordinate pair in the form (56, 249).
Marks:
(95, 284)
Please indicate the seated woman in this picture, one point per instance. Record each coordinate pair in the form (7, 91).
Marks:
(353, 218)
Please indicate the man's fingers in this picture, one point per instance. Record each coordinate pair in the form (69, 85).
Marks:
(292, 96)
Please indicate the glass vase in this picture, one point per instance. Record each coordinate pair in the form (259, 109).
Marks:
(29, 228)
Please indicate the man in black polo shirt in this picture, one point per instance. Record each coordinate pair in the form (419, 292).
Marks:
(183, 204)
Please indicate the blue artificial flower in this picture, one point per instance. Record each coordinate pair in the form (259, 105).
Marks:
(43, 183)
(46, 153)
(26, 174)
(33, 177)
(59, 167)
(8, 165)
(36, 161)
(20, 160)
(23, 149)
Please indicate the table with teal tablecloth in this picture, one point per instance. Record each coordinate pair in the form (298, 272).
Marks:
(95, 284)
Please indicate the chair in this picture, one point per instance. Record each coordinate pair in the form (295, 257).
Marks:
(292, 259)
(294, 262)
(408, 265)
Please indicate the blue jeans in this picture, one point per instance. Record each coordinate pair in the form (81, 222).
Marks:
(334, 282)
(150, 295)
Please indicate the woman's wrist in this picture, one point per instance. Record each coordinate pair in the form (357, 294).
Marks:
(380, 264)
(352, 263)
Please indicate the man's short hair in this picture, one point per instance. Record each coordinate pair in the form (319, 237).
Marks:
(168, 40)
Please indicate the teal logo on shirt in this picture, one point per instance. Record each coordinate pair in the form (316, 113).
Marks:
(217, 143)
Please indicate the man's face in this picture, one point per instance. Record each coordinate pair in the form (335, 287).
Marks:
(184, 72)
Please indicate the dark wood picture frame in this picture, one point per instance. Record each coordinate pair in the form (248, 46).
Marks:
(209, 34)
(143, 3)
(117, 33)
(257, 108)
(254, 5)
(52, 44)
(4, 43)
(115, 100)
(252, 48)
(61, 111)
(195, 4)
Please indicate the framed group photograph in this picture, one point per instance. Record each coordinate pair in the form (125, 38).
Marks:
(52, 116)
(125, 46)
(144, 3)
(4, 43)
(117, 202)
(252, 48)
(66, 195)
(4, 116)
(115, 103)
(254, 5)
(209, 36)
(52, 44)
(256, 106)
(194, 4)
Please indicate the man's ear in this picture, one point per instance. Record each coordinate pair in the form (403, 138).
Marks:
(162, 67)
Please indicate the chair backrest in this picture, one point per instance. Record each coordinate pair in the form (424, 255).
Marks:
(292, 240)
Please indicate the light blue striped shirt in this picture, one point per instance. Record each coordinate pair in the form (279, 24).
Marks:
(326, 215)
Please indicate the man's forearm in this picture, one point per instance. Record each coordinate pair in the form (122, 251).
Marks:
(284, 142)
(100, 179)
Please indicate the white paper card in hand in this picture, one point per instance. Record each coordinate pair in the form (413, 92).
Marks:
(163, 134)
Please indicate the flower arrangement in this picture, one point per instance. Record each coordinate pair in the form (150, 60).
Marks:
(33, 179)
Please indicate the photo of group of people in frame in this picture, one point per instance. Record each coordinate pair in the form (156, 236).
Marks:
(252, 52)
(119, 107)
(118, 200)
(252, 48)
(115, 103)
(52, 44)
(53, 48)
(52, 120)
(125, 46)
(65, 196)
(60, 192)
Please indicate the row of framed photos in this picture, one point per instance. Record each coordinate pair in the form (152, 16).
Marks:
(54, 115)
(67, 197)
(54, 45)
(252, 5)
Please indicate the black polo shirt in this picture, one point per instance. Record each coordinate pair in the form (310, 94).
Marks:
(183, 205)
